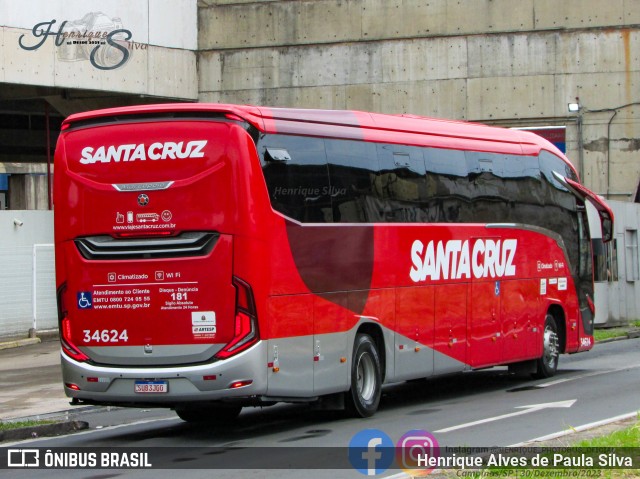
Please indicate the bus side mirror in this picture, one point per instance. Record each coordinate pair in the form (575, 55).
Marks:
(582, 192)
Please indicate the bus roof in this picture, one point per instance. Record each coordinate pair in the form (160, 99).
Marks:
(350, 124)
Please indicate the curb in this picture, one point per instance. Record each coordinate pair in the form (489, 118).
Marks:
(43, 430)
(19, 343)
(633, 334)
(62, 415)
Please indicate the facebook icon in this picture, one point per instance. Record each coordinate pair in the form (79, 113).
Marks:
(371, 452)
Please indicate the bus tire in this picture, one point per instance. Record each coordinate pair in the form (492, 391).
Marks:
(366, 378)
(547, 364)
(210, 415)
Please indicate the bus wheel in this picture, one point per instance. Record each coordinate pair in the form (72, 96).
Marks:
(547, 364)
(366, 379)
(210, 415)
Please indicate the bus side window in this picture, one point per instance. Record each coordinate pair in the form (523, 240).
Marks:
(295, 170)
(449, 190)
(402, 184)
(353, 168)
(509, 188)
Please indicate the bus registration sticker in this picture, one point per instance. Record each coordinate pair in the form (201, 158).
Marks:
(203, 324)
(151, 387)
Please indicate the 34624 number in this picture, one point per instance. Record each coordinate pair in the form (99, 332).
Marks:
(105, 336)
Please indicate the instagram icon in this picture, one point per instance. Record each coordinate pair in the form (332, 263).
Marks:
(414, 445)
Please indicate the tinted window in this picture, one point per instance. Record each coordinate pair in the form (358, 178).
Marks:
(402, 184)
(296, 173)
(325, 180)
(507, 188)
(353, 170)
(450, 190)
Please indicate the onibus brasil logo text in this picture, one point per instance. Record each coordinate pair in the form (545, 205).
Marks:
(457, 259)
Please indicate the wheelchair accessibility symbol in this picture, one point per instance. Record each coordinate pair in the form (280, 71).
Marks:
(85, 301)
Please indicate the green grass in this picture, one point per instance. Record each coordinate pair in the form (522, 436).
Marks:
(5, 426)
(629, 437)
(601, 334)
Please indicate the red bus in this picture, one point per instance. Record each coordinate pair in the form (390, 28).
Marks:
(210, 257)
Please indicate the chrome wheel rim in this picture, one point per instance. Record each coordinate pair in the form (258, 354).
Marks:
(550, 347)
(366, 377)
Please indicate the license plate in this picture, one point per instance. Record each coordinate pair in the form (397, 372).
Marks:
(151, 387)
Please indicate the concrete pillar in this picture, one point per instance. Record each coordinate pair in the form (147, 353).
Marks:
(28, 192)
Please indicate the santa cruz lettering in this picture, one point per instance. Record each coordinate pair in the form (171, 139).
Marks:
(457, 259)
(133, 152)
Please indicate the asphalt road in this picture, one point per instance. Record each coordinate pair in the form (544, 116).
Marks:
(482, 408)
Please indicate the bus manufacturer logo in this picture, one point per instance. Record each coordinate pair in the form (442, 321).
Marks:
(143, 200)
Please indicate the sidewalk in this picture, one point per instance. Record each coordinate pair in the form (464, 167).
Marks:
(31, 380)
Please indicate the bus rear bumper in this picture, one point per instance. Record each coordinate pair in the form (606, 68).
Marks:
(242, 376)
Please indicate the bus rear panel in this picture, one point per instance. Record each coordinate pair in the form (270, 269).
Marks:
(146, 215)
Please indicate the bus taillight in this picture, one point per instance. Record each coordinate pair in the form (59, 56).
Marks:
(67, 346)
(246, 323)
(64, 326)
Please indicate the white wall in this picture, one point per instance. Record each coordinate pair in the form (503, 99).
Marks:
(618, 302)
(16, 272)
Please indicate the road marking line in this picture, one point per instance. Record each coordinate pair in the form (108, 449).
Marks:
(586, 375)
(526, 410)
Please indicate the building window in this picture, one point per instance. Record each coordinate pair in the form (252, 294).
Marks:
(612, 260)
(605, 260)
(631, 253)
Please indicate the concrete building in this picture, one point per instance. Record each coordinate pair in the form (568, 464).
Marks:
(516, 64)
(495, 61)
